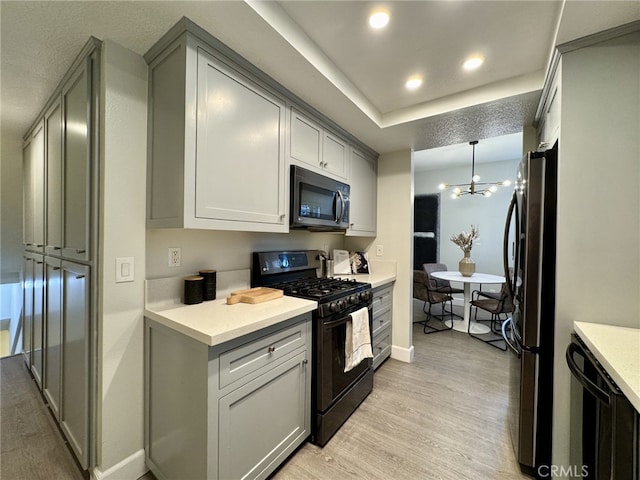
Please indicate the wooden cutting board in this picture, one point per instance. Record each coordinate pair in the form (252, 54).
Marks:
(254, 295)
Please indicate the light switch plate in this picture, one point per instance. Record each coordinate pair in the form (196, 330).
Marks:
(124, 269)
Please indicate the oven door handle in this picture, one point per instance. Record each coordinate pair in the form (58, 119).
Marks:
(335, 323)
(587, 383)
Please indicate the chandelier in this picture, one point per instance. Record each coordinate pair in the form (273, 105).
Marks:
(475, 187)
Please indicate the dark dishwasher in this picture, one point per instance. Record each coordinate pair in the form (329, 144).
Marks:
(610, 423)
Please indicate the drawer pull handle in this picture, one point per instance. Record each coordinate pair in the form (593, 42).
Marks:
(57, 248)
(78, 277)
(56, 268)
(271, 349)
(39, 263)
(78, 250)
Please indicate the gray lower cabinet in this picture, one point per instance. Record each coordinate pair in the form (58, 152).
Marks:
(74, 408)
(52, 382)
(382, 323)
(230, 411)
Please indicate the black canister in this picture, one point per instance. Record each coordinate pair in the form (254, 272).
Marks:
(209, 285)
(193, 289)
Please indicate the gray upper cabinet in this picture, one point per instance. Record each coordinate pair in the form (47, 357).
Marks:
(222, 134)
(216, 144)
(53, 140)
(34, 189)
(76, 103)
(316, 148)
(364, 195)
(239, 148)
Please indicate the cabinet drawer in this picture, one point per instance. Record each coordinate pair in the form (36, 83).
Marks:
(382, 296)
(381, 320)
(249, 357)
(381, 346)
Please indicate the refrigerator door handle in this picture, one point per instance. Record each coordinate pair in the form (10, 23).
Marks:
(510, 279)
(587, 383)
(510, 345)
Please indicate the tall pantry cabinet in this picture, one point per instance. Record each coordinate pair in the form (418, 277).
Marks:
(60, 160)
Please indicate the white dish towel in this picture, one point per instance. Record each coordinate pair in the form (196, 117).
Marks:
(357, 345)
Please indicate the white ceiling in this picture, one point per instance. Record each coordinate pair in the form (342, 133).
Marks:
(324, 52)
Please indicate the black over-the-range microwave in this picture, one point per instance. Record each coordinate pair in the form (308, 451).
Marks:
(318, 202)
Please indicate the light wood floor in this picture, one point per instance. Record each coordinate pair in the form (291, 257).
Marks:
(441, 417)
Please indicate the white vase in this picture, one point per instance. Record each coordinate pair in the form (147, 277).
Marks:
(467, 267)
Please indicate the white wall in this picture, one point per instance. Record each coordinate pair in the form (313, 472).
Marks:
(488, 214)
(221, 250)
(395, 231)
(598, 248)
(122, 234)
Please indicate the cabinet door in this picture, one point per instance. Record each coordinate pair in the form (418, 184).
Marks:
(334, 155)
(76, 108)
(34, 190)
(27, 195)
(38, 173)
(262, 422)
(27, 307)
(53, 138)
(53, 334)
(305, 140)
(364, 195)
(239, 171)
(74, 411)
(38, 327)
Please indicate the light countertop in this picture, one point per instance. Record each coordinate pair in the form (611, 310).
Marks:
(215, 322)
(618, 351)
(382, 272)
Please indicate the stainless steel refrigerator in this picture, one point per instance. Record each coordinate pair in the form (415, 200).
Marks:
(529, 262)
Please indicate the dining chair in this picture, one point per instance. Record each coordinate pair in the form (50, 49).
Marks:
(500, 304)
(440, 285)
(423, 290)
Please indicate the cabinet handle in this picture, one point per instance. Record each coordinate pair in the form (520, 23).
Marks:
(39, 263)
(38, 245)
(56, 268)
(305, 361)
(78, 250)
(57, 248)
(78, 277)
(271, 349)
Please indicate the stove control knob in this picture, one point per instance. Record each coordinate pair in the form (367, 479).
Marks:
(353, 299)
(342, 304)
(333, 307)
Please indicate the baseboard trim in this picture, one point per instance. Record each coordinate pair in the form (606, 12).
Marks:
(130, 468)
(402, 354)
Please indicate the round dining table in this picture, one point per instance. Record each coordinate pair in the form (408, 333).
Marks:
(466, 324)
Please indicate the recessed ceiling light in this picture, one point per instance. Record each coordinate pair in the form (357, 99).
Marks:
(473, 62)
(413, 83)
(379, 19)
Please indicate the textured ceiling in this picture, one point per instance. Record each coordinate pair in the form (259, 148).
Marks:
(322, 53)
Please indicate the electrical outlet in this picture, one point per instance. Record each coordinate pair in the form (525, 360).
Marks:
(379, 250)
(175, 256)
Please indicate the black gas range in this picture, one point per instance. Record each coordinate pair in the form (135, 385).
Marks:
(335, 393)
